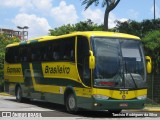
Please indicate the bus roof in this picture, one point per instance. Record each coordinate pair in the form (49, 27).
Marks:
(85, 33)
(107, 34)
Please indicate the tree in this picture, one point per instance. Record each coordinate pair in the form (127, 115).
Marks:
(4, 41)
(137, 28)
(130, 27)
(152, 47)
(62, 30)
(81, 26)
(109, 4)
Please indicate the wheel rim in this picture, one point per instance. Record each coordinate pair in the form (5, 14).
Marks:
(71, 102)
(18, 93)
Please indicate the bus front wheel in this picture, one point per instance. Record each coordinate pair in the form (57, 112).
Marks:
(71, 104)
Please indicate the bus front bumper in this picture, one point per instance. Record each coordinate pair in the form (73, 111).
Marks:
(118, 104)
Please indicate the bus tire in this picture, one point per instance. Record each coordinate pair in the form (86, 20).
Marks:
(19, 97)
(71, 104)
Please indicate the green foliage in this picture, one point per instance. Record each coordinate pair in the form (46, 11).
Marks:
(4, 41)
(137, 28)
(62, 30)
(108, 4)
(81, 26)
(88, 3)
(152, 40)
(152, 47)
(130, 27)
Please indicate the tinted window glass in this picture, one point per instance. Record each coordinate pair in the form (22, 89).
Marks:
(83, 59)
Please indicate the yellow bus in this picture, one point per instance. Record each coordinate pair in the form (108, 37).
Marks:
(89, 70)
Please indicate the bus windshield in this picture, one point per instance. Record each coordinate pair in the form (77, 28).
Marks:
(119, 63)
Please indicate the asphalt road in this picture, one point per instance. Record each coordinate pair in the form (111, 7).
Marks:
(9, 108)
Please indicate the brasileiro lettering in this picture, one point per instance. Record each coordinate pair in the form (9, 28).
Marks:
(13, 70)
(57, 69)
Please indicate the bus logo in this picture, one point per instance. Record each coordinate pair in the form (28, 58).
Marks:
(57, 69)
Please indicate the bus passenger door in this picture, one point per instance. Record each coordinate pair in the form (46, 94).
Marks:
(83, 60)
(83, 70)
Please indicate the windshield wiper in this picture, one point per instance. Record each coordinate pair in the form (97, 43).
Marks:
(130, 75)
(121, 71)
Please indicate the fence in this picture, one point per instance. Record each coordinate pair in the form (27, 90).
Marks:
(1, 84)
(154, 87)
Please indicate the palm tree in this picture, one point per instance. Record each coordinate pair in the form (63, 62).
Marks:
(109, 4)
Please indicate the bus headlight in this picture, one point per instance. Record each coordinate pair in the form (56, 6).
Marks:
(97, 96)
(142, 97)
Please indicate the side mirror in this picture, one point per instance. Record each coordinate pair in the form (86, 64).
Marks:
(91, 60)
(148, 64)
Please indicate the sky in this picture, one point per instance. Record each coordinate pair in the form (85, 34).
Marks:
(42, 15)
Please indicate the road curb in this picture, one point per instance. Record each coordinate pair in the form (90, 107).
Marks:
(152, 109)
(147, 109)
(4, 94)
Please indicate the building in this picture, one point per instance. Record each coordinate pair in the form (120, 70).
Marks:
(23, 35)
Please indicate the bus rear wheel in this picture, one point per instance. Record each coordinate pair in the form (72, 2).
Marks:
(19, 94)
(19, 97)
(71, 104)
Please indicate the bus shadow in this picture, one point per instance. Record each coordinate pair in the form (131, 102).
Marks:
(59, 110)
(42, 104)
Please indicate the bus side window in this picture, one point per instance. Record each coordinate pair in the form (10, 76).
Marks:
(21, 54)
(55, 56)
(7, 55)
(83, 60)
(63, 49)
(33, 57)
(72, 55)
(70, 49)
(44, 56)
(15, 59)
(10, 55)
(29, 54)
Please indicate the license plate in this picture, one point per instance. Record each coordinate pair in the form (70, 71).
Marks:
(123, 105)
